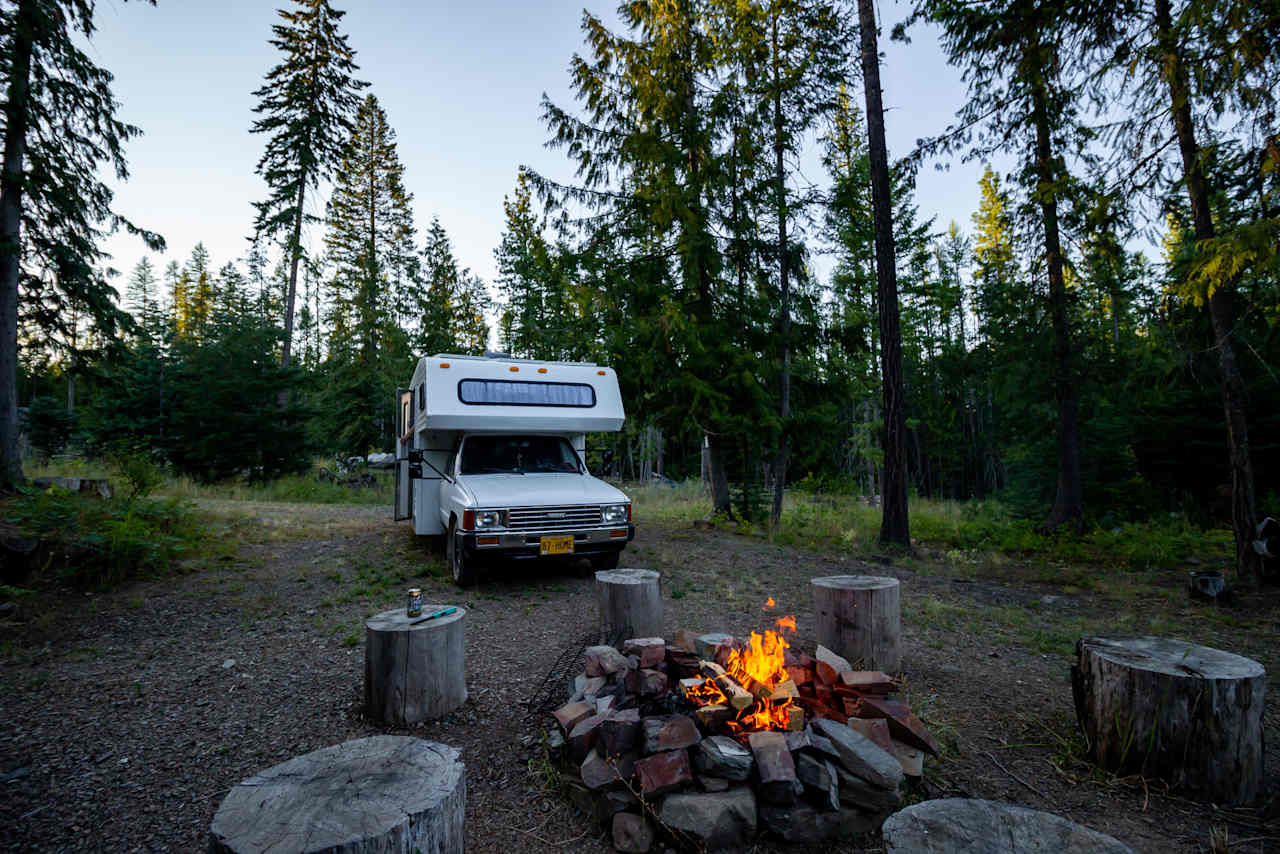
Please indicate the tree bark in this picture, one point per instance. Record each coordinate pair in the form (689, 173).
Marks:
(894, 526)
(17, 117)
(1221, 309)
(1068, 502)
(295, 251)
(719, 477)
(784, 286)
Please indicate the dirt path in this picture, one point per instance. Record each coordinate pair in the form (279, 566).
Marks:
(130, 714)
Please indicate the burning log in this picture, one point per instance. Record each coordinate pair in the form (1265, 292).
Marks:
(737, 697)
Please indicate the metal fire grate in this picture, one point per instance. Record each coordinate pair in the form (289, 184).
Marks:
(553, 691)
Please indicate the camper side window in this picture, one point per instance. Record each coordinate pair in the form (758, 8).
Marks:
(520, 393)
(422, 396)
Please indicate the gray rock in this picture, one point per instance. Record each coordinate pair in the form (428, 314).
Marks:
(775, 767)
(860, 755)
(721, 756)
(819, 779)
(712, 784)
(718, 820)
(620, 731)
(857, 792)
(708, 643)
(631, 833)
(967, 826)
(805, 823)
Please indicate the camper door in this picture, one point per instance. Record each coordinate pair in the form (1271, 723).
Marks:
(404, 443)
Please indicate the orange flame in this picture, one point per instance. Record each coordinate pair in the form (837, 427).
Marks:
(759, 667)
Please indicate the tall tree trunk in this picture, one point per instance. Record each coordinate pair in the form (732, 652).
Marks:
(295, 255)
(784, 285)
(1221, 310)
(1068, 503)
(721, 502)
(894, 526)
(17, 116)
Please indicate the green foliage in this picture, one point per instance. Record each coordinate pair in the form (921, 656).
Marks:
(49, 425)
(101, 543)
(137, 466)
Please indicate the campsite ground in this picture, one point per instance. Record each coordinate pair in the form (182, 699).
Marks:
(130, 714)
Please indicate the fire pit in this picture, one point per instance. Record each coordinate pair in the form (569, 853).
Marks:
(708, 740)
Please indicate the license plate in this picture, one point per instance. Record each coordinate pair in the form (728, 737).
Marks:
(556, 545)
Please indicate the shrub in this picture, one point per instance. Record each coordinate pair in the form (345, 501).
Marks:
(103, 543)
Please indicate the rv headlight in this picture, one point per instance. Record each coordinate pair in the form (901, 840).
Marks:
(613, 514)
(488, 519)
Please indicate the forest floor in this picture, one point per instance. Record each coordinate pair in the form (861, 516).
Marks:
(128, 715)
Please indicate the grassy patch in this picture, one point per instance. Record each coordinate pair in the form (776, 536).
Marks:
(977, 537)
(101, 543)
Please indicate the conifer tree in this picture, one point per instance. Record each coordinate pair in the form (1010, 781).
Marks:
(1018, 57)
(60, 133)
(141, 293)
(306, 108)
(371, 246)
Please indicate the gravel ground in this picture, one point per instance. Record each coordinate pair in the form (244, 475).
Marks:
(129, 715)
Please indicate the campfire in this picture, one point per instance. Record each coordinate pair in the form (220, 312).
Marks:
(707, 739)
(752, 691)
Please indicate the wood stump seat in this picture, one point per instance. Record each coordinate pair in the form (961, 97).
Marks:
(969, 826)
(390, 794)
(630, 603)
(1178, 711)
(414, 669)
(860, 618)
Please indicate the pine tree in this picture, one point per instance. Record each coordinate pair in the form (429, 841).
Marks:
(60, 132)
(1018, 57)
(528, 280)
(306, 107)
(371, 246)
(141, 294)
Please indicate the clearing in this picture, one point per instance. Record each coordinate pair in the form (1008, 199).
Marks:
(131, 713)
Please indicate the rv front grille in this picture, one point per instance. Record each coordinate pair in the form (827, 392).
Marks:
(537, 518)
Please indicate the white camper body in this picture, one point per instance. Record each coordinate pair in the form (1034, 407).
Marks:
(459, 408)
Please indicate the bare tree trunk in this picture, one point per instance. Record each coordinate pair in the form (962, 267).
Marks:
(1068, 503)
(894, 525)
(295, 252)
(16, 116)
(1221, 310)
(784, 286)
(720, 499)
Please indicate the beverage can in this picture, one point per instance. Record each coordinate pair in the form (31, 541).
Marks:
(413, 607)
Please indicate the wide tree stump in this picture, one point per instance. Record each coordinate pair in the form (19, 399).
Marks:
(860, 617)
(966, 826)
(414, 668)
(1173, 710)
(386, 794)
(630, 603)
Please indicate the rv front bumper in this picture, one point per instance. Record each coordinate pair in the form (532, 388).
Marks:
(521, 545)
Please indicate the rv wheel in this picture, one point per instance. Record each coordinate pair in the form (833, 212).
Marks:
(464, 575)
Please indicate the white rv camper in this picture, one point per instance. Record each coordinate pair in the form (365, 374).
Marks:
(490, 455)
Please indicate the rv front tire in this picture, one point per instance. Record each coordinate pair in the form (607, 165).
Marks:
(464, 574)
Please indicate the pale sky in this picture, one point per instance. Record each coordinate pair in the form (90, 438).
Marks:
(460, 83)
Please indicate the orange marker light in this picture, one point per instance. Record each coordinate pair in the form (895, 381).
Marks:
(444, 364)
(513, 369)
(601, 373)
(542, 370)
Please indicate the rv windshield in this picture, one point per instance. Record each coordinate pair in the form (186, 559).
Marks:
(518, 455)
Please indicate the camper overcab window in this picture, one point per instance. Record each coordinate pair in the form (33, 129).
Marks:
(492, 459)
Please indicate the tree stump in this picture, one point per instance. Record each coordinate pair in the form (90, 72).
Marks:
(859, 617)
(388, 793)
(414, 668)
(959, 825)
(630, 603)
(1174, 710)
